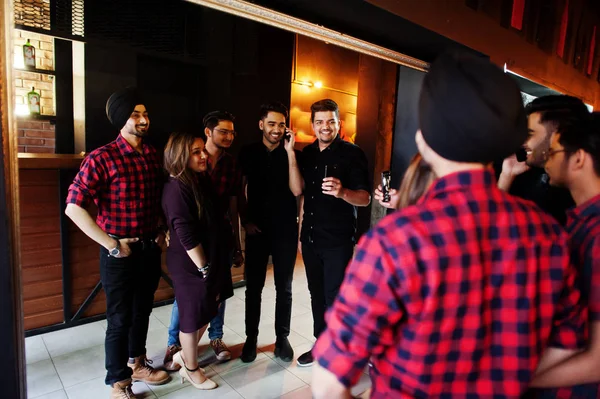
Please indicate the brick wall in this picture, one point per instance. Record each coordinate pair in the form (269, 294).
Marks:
(35, 136)
(24, 81)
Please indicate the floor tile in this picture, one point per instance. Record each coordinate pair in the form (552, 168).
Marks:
(163, 314)
(42, 379)
(96, 389)
(74, 339)
(81, 366)
(35, 349)
(303, 325)
(235, 363)
(267, 383)
(54, 395)
(262, 379)
(302, 393)
(223, 391)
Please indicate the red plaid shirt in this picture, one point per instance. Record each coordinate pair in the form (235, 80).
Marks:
(226, 178)
(454, 297)
(583, 226)
(125, 186)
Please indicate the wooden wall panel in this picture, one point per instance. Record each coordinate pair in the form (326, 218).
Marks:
(41, 263)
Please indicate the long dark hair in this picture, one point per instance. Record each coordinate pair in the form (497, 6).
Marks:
(176, 159)
(416, 181)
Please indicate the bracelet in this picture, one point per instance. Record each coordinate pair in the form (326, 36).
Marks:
(204, 269)
(239, 251)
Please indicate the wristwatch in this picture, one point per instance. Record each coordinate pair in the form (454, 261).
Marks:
(116, 251)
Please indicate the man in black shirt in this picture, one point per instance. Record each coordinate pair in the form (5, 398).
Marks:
(528, 179)
(272, 181)
(336, 178)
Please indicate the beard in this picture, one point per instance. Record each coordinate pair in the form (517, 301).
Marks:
(270, 139)
(139, 132)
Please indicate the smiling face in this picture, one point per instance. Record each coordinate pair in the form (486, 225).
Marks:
(273, 127)
(222, 135)
(198, 156)
(326, 126)
(138, 122)
(538, 142)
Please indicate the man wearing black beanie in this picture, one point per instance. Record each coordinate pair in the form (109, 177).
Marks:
(456, 296)
(123, 179)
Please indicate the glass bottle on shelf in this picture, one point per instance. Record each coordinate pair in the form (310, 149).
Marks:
(33, 100)
(29, 55)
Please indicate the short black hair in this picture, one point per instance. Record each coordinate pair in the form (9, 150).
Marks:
(558, 111)
(324, 105)
(273, 107)
(212, 119)
(583, 135)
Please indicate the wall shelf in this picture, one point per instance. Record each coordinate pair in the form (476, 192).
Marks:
(35, 70)
(44, 118)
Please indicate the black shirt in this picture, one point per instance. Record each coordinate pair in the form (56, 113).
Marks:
(533, 185)
(271, 204)
(330, 222)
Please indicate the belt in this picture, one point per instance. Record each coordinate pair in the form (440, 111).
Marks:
(144, 243)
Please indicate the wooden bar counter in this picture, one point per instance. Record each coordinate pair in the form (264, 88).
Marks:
(59, 264)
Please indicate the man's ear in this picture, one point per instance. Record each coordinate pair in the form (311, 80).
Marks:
(207, 132)
(261, 124)
(578, 159)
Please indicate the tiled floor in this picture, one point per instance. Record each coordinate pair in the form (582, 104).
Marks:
(70, 363)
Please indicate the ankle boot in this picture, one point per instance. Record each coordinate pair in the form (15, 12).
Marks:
(122, 390)
(142, 371)
(249, 350)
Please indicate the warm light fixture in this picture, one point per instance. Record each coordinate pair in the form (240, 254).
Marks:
(22, 110)
(318, 84)
(303, 83)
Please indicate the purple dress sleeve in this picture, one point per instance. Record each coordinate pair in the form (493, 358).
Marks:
(183, 215)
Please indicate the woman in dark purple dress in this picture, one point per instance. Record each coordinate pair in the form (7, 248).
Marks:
(196, 258)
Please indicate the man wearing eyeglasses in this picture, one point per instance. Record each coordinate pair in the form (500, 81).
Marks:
(527, 179)
(227, 181)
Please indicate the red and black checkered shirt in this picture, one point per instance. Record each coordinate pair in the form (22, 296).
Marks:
(125, 186)
(454, 297)
(583, 226)
(226, 178)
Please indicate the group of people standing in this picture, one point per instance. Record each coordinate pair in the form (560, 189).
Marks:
(204, 193)
(480, 285)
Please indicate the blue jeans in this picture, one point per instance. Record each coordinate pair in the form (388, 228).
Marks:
(215, 329)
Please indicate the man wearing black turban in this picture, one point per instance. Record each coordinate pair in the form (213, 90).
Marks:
(123, 178)
(454, 297)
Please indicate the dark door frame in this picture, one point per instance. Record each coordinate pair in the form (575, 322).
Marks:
(12, 342)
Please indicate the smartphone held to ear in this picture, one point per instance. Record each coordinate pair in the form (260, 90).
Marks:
(386, 178)
(521, 154)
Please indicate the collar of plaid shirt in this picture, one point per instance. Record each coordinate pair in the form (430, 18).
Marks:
(589, 208)
(456, 181)
(126, 149)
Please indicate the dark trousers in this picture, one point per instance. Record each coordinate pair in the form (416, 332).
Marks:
(325, 269)
(283, 249)
(129, 284)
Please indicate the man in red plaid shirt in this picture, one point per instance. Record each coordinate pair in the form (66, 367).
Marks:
(454, 297)
(124, 180)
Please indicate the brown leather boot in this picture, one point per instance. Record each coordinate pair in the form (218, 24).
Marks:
(122, 390)
(168, 363)
(142, 371)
